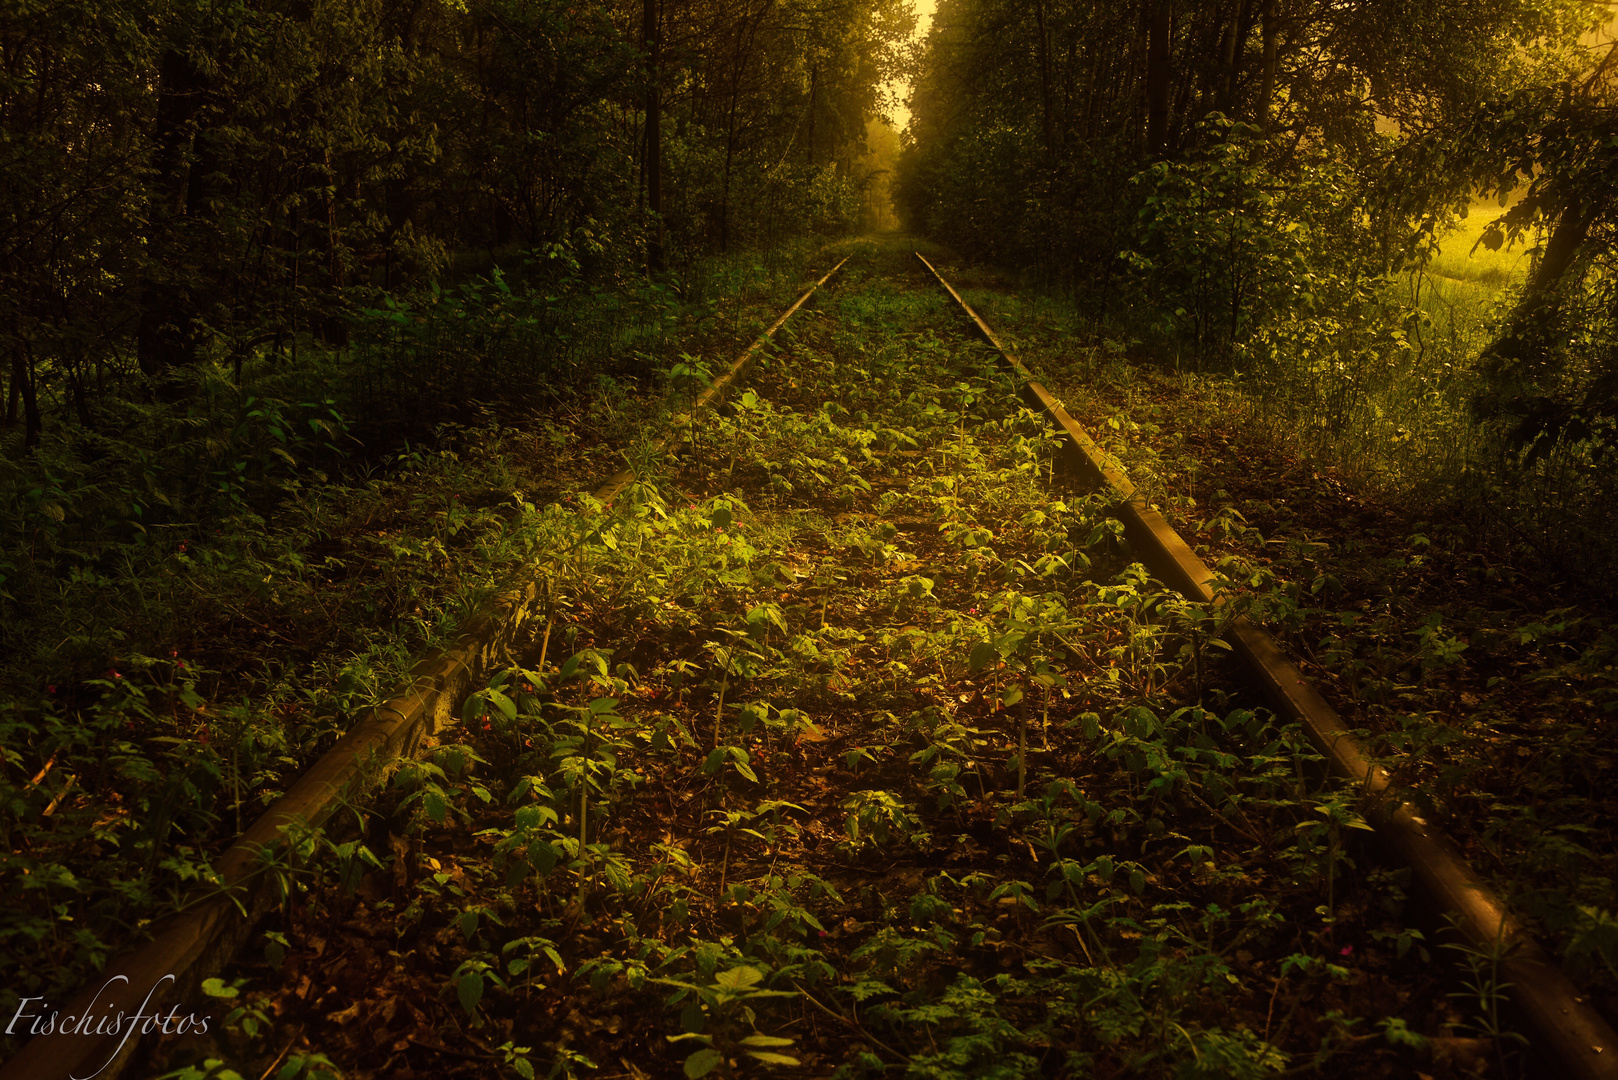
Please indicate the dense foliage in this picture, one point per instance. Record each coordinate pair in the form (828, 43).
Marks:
(184, 181)
(855, 746)
(1029, 118)
(1251, 183)
(269, 273)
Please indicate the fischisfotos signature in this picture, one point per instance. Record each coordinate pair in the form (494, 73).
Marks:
(42, 1020)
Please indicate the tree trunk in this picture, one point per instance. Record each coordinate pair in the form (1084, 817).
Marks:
(165, 336)
(1239, 27)
(13, 391)
(730, 153)
(22, 374)
(1159, 76)
(1571, 229)
(654, 137)
(1045, 79)
(1522, 346)
(809, 141)
(744, 49)
(1266, 90)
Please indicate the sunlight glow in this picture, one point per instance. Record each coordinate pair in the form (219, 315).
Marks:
(901, 89)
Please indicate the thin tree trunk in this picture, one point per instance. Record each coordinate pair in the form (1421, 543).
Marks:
(334, 257)
(14, 391)
(1045, 79)
(23, 372)
(814, 87)
(744, 46)
(164, 336)
(654, 138)
(1235, 44)
(1267, 86)
(1159, 76)
(724, 196)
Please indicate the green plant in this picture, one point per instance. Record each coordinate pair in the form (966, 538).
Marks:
(875, 819)
(728, 1004)
(1483, 988)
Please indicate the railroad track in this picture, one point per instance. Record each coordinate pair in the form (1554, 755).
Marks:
(1044, 749)
(187, 949)
(1566, 1024)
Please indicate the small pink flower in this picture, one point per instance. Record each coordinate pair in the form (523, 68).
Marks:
(113, 674)
(1346, 950)
(51, 689)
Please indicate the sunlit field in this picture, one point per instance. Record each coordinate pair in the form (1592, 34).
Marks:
(1462, 285)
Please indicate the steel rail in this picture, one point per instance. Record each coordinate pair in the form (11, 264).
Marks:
(713, 393)
(92, 1035)
(1566, 1024)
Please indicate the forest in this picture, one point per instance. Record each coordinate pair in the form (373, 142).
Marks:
(1145, 609)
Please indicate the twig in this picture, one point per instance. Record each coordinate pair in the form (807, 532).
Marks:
(854, 1024)
(40, 775)
(1253, 836)
(285, 1050)
(1269, 1017)
(66, 787)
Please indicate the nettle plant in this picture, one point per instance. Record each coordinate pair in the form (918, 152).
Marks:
(764, 715)
(723, 1012)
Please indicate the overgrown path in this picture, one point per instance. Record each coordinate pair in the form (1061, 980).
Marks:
(854, 743)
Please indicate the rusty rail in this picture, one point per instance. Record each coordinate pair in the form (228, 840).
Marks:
(1566, 1025)
(167, 972)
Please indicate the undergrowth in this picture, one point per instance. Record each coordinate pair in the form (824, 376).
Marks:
(200, 591)
(853, 745)
(1489, 686)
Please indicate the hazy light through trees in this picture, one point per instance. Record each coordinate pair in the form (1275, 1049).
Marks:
(899, 89)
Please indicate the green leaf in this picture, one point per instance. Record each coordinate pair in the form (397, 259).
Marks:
(470, 990)
(702, 1063)
(771, 1059)
(721, 518)
(738, 978)
(767, 1040)
(217, 988)
(542, 856)
(983, 653)
(503, 703)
